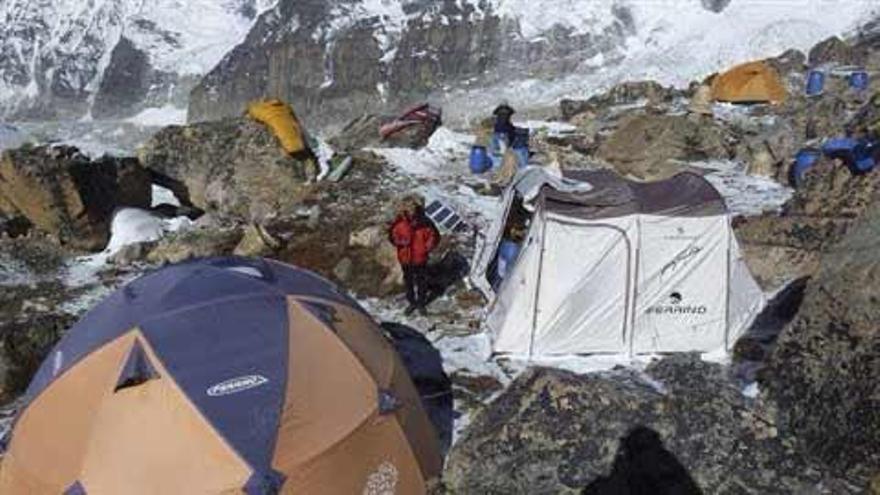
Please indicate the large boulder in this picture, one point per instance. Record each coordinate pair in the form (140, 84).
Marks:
(837, 52)
(69, 196)
(648, 146)
(555, 432)
(824, 371)
(782, 247)
(195, 243)
(234, 168)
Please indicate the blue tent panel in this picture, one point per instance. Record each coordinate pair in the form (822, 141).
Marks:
(231, 360)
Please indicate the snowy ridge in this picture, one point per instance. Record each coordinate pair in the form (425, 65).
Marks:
(63, 47)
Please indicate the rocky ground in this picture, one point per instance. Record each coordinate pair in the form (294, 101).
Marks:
(794, 410)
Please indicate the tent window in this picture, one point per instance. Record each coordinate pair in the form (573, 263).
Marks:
(137, 370)
(388, 402)
(75, 489)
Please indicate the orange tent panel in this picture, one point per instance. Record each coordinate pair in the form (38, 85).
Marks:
(753, 82)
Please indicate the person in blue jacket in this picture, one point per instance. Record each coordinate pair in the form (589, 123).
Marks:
(503, 114)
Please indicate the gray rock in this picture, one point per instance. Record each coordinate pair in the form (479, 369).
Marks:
(823, 372)
(557, 432)
(234, 169)
(69, 196)
(836, 51)
(131, 254)
(343, 269)
(649, 146)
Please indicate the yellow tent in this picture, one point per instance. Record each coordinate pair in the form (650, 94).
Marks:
(279, 117)
(753, 82)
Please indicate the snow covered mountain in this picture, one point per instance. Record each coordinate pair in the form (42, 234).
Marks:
(115, 59)
(339, 58)
(111, 58)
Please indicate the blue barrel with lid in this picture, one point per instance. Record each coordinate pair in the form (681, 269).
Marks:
(803, 161)
(815, 83)
(858, 80)
(479, 160)
(507, 254)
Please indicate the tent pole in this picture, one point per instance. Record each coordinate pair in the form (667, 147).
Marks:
(635, 286)
(727, 286)
(541, 215)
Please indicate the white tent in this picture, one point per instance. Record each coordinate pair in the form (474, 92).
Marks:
(617, 267)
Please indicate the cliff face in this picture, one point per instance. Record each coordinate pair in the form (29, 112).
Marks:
(337, 59)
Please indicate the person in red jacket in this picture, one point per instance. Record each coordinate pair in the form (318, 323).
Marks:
(415, 236)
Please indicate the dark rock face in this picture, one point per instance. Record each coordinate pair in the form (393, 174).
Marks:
(67, 195)
(823, 372)
(557, 432)
(125, 83)
(298, 52)
(234, 168)
(715, 5)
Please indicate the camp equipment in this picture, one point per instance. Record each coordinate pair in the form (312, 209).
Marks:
(225, 375)
(815, 82)
(479, 160)
(858, 80)
(753, 82)
(280, 118)
(623, 267)
(804, 159)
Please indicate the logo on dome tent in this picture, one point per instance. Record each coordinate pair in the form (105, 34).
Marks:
(237, 385)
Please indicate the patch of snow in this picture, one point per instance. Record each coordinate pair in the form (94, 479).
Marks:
(435, 159)
(751, 390)
(163, 196)
(551, 128)
(160, 117)
(129, 226)
(745, 194)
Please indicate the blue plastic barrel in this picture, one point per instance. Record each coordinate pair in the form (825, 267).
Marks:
(863, 160)
(815, 83)
(804, 159)
(479, 160)
(507, 253)
(858, 80)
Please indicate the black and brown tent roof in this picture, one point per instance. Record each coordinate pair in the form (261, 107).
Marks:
(684, 194)
(222, 376)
